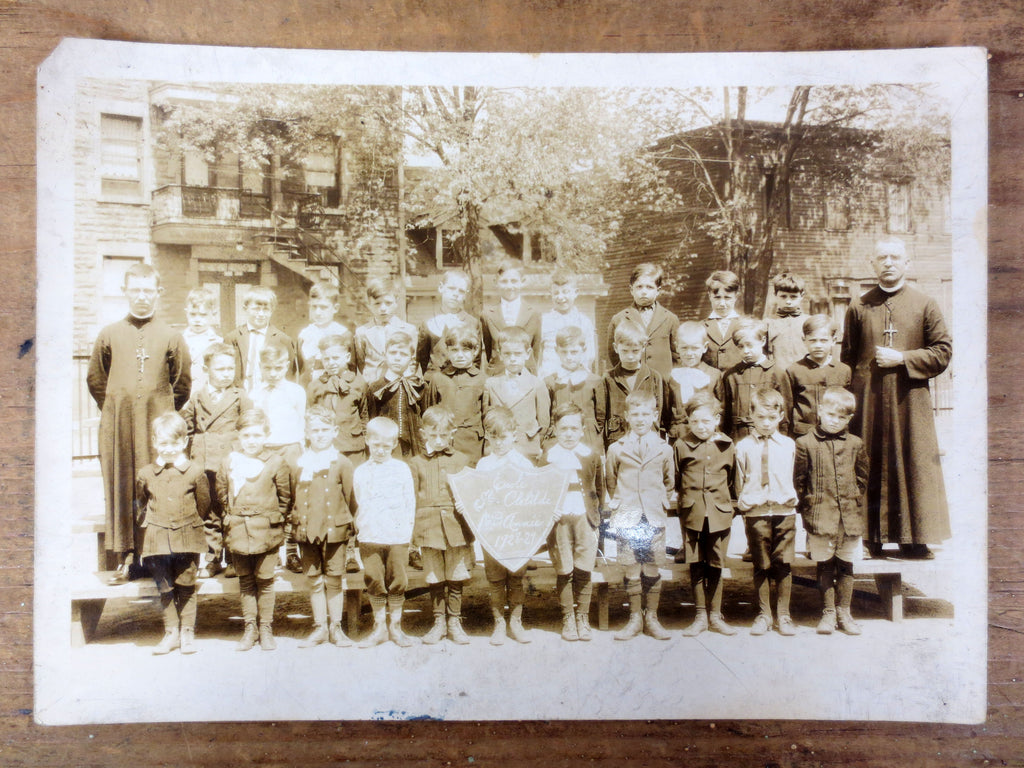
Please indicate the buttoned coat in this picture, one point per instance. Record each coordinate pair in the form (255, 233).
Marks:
(722, 352)
(239, 340)
(738, 385)
(610, 400)
(253, 520)
(213, 427)
(323, 505)
(461, 391)
(439, 525)
(370, 346)
(400, 401)
(345, 394)
(705, 477)
(591, 480)
(526, 396)
(660, 353)
(583, 394)
(639, 482)
(806, 382)
(173, 506)
(494, 323)
(831, 475)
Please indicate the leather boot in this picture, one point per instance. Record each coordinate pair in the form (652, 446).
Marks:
(379, 633)
(335, 611)
(583, 626)
(633, 627)
(569, 630)
(698, 625)
(171, 639)
(437, 604)
(651, 587)
(582, 588)
(455, 631)
(398, 637)
(496, 592)
(267, 641)
(249, 637)
(516, 630)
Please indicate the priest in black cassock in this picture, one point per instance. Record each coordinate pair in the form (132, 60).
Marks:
(895, 341)
(140, 369)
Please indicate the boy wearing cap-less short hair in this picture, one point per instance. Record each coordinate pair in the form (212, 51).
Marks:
(174, 500)
(572, 382)
(564, 314)
(691, 376)
(432, 353)
(767, 498)
(199, 333)
(628, 376)
(324, 303)
(520, 391)
(250, 338)
(723, 289)
(641, 486)
(808, 378)
(511, 312)
(831, 476)
(754, 371)
(444, 539)
(459, 387)
(371, 338)
(658, 324)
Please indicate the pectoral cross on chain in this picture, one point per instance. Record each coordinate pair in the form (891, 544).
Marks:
(889, 333)
(142, 357)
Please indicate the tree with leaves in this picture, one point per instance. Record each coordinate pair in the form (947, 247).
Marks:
(740, 170)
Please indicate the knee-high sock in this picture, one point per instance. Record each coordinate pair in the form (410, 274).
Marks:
(247, 593)
(844, 583)
(265, 601)
(698, 586)
(784, 582)
(335, 599)
(169, 611)
(713, 588)
(762, 590)
(582, 587)
(185, 601)
(455, 599)
(437, 598)
(496, 593)
(318, 601)
(516, 591)
(633, 594)
(650, 586)
(563, 588)
(826, 584)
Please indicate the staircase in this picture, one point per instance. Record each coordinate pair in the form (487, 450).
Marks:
(307, 254)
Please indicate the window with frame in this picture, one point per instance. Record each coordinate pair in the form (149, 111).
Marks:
(898, 207)
(121, 157)
(837, 213)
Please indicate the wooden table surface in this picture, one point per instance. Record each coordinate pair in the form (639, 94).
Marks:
(28, 33)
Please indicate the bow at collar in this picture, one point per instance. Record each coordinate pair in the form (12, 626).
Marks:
(413, 386)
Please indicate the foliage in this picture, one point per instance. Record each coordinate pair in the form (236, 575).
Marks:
(740, 169)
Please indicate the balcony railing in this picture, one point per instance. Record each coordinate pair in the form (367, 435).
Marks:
(177, 201)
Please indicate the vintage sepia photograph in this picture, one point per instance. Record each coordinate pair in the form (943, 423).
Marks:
(491, 386)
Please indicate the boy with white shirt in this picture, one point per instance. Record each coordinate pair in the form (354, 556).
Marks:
(386, 512)
(766, 496)
(691, 376)
(564, 314)
(511, 312)
(198, 333)
(324, 302)
(256, 333)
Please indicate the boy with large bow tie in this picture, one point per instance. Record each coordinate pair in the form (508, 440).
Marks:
(396, 394)
(344, 391)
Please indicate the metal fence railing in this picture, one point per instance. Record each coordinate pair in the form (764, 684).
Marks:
(85, 416)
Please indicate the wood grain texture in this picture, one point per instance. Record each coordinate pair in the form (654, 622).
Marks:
(30, 30)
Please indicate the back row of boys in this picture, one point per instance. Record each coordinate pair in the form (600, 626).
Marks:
(663, 377)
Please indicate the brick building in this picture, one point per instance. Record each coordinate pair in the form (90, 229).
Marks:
(823, 236)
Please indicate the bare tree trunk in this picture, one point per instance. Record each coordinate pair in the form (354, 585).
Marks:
(470, 256)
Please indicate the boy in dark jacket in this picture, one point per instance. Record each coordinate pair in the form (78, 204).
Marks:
(830, 476)
(705, 462)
